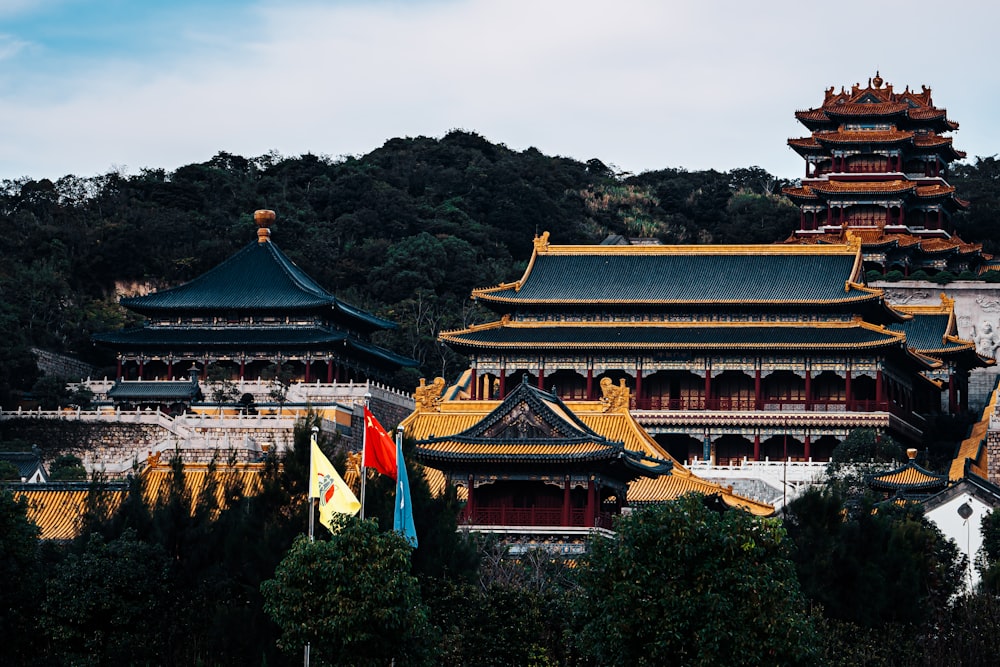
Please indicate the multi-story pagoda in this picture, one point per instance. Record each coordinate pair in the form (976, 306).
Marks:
(728, 352)
(255, 311)
(876, 164)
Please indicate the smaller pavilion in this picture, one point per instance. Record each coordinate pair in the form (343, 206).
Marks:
(532, 462)
(254, 312)
(909, 481)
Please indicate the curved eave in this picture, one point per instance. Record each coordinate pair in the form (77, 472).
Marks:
(218, 338)
(463, 338)
(486, 450)
(381, 355)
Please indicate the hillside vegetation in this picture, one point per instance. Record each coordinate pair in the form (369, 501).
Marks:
(405, 231)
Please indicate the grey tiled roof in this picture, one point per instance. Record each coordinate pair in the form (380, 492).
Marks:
(685, 279)
(258, 278)
(154, 390)
(748, 336)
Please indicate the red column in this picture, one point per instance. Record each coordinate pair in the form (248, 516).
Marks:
(566, 503)
(847, 389)
(708, 387)
(590, 384)
(878, 389)
(808, 389)
(503, 382)
(329, 371)
(170, 369)
(204, 370)
(470, 504)
(119, 371)
(308, 368)
(541, 377)
(808, 444)
(472, 383)
(591, 502)
(243, 367)
(756, 446)
(758, 400)
(638, 385)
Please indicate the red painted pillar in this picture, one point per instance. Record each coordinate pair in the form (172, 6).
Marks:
(638, 385)
(470, 503)
(503, 382)
(758, 398)
(591, 502)
(808, 389)
(308, 369)
(170, 369)
(590, 384)
(541, 377)
(243, 367)
(847, 389)
(566, 503)
(878, 389)
(329, 371)
(119, 371)
(808, 444)
(756, 446)
(708, 387)
(472, 383)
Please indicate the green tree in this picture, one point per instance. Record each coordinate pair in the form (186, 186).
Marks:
(726, 595)
(863, 452)
(352, 598)
(67, 468)
(872, 565)
(19, 579)
(107, 603)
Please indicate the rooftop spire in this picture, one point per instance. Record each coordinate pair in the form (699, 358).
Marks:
(877, 80)
(263, 218)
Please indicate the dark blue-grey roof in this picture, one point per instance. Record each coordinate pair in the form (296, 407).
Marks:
(258, 279)
(159, 390)
(693, 336)
(674, 274)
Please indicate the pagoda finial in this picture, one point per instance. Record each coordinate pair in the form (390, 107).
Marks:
(263, 218)
(877, 80)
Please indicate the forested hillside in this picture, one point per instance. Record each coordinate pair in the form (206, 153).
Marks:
(405, 231)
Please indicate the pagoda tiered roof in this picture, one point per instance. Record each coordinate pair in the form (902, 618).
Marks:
(880, 239)
(877, 102)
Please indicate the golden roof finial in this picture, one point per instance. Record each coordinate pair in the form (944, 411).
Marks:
(541, 242)
(263, 218)
(877, 80)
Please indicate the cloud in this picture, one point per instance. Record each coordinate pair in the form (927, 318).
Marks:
(641, 84)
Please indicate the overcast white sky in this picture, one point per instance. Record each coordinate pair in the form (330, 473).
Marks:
(87, 86)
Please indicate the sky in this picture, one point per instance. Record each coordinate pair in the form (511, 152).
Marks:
(93, 86)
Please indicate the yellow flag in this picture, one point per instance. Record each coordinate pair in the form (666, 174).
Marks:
(327, 485)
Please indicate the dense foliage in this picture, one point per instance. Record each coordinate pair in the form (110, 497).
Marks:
(405, 231)
(725, 594)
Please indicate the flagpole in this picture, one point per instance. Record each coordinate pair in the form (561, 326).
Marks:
(364, 446)
(312, 510)
(312, 520)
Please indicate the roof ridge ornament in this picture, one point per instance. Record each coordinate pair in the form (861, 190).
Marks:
(428, 397)
(541, 242)
(263, 218)
(614, 398)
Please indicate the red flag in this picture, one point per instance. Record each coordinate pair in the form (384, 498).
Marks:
(380, 450)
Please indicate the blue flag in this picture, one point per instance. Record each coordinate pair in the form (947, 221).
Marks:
(403, 520)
